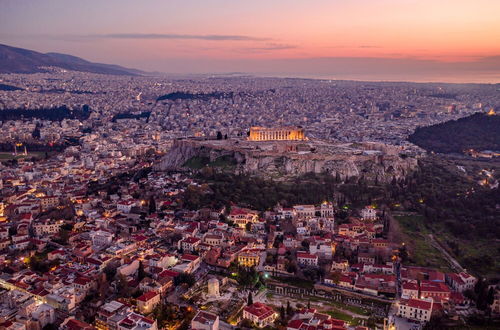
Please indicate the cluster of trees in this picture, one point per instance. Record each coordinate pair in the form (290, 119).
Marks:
(184, 278)
(53, 114)
(478, 132)
(258, 193)
(9, 88)
(447, 199)
(453, 203)
(33, 146)
(39, 263)
(247, 277)
(167, 313)
(113, 184)
(195, 96)
(144, 114)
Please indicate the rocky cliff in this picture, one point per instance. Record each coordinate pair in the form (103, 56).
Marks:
(370, 160)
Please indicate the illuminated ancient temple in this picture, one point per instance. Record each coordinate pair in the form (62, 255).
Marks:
(295, 133)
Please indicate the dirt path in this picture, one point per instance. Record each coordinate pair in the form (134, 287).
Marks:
(453, 262)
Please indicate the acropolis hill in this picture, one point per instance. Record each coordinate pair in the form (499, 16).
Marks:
(281, 159)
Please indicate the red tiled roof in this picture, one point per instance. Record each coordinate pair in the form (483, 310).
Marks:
(420, 304)
(306, 255)
(189, 257)
(410, 286)
(295, 324)
(147, 296)
(260, 310)
(191, 240)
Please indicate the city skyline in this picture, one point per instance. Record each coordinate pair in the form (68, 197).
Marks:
(454, 41)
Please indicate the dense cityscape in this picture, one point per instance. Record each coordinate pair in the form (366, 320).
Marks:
(94, 235)
(238, 165)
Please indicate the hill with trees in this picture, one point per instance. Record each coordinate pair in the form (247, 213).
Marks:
(478, 131)
(52, 114)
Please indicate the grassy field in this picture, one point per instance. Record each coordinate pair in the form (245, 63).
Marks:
(344, 317)
(422, 253)
(475, 249)
(9, 155)
(415, 236)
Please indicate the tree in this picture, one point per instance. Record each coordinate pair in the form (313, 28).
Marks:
(182, 278)
(36, 133)
(123, 287)
(335, 276)
(250, 298)
(291, 267)
(289, 309)
(305, 244)
(152, 205)
(403, 254)
(110, 272)
(491, 296)
(141, 274)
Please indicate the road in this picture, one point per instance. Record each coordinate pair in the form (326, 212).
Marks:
(455, 264)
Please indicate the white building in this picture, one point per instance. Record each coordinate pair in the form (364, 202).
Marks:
(307, 259)
(416, 309)
(101, 238)
(260, 314)
(369, 213)
(304, 211)
(47, 227)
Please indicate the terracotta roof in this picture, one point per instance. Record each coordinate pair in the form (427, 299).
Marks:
(260, 310)
(147, 296)
(420, 304)
(306, 255)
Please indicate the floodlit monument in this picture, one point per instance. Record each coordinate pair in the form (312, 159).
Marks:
(213, 287)
(294, 133)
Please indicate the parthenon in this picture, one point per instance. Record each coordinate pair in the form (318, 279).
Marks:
(295, 133)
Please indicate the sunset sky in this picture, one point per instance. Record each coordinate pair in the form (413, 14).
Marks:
(434, 40)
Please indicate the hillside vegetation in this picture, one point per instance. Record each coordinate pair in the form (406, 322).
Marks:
(478, 131)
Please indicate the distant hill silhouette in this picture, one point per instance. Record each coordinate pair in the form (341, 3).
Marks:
(20, 60)
(5, 87)
(196, 96)
(478, 131)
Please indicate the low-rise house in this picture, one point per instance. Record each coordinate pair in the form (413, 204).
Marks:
(242, 216)
(436, 290)
(307, 259)
(409, 290)
(260, 314)
(189, 244)
(416, 309)
(248, 258)
(461, 281)
(205, 321)
(369, 213)
(147, 302)
(213, 240)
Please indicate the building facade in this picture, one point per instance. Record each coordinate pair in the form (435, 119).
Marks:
(277, 134)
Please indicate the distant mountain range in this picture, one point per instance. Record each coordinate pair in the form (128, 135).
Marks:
(20, 60)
